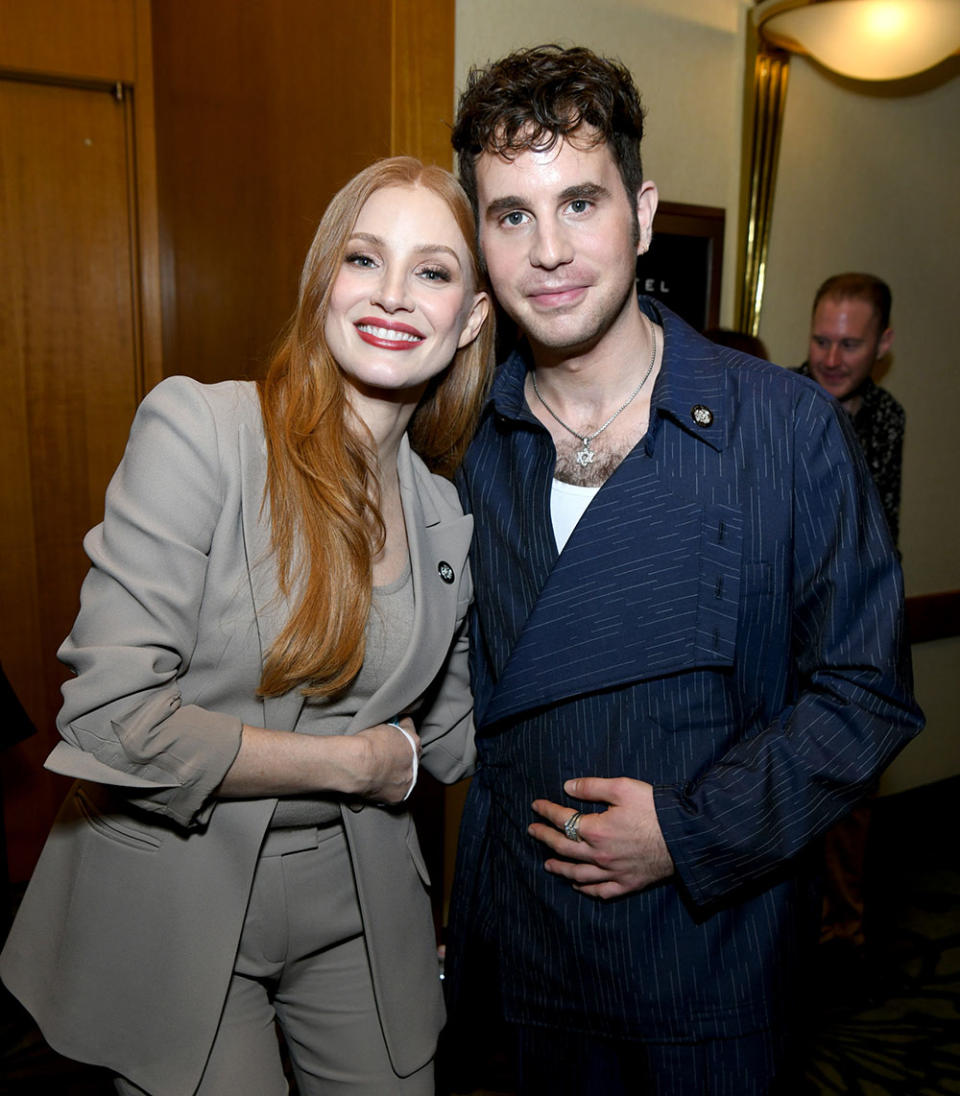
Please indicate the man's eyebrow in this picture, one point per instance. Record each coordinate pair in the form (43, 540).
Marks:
(584, 190)
(420, 249)
(569, 194)
(504, 205)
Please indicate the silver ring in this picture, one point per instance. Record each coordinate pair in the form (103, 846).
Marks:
(570, 826)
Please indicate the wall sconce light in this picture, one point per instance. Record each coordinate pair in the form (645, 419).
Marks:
(864, 39)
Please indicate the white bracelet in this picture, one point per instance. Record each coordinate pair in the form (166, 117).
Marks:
(416, 758)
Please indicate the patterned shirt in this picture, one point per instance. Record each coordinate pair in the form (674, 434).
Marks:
(879, 424)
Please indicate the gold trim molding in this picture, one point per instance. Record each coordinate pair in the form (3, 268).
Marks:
(765, 122)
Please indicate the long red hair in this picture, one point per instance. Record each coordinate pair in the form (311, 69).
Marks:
(322, 487)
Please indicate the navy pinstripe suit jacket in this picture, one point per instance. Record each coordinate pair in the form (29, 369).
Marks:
(725, 622)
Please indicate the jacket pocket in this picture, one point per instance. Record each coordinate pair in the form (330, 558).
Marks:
(113, 825)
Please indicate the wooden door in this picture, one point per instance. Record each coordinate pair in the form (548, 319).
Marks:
(70, 378)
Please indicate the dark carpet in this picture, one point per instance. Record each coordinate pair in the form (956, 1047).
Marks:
(892, 1025)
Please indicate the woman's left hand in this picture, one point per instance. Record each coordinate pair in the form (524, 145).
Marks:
(388, 761)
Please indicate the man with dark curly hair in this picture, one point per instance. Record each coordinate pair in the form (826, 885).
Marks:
(686, 651)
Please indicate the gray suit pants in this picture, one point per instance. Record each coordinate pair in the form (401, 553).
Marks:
(302, 964)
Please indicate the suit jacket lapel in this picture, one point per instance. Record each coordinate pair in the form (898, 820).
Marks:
(271, 607)
(432, 542)
(628, 598)
(438, 547)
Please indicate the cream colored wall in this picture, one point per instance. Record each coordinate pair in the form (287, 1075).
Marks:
(935, 753)
(869, 178)
(869, 181)
(687, 59)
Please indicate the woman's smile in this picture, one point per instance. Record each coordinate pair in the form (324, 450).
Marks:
(388, 334)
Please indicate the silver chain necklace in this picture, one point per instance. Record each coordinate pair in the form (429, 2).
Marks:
(585, 455)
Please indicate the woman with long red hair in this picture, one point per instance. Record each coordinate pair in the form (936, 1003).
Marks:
(271, 640)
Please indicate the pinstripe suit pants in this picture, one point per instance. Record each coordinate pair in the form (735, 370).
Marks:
(564, 1063)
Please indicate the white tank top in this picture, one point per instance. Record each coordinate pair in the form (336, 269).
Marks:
(567, 504)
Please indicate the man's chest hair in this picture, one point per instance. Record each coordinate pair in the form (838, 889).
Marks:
(606, 460)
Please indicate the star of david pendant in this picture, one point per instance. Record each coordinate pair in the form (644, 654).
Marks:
(585, 455)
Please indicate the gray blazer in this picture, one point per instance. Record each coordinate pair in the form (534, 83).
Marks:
(125, 940)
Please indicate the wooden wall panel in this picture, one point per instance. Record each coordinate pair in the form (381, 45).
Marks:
(101, 42)
(144, 186)
(263, 110)
(422, 95)
(90, 40)
(68, 384)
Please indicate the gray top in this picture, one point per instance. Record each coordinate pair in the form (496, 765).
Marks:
(388, 631)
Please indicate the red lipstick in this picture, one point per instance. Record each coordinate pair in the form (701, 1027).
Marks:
(388, 334)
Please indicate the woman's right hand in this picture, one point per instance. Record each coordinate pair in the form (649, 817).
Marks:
(386, 762)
